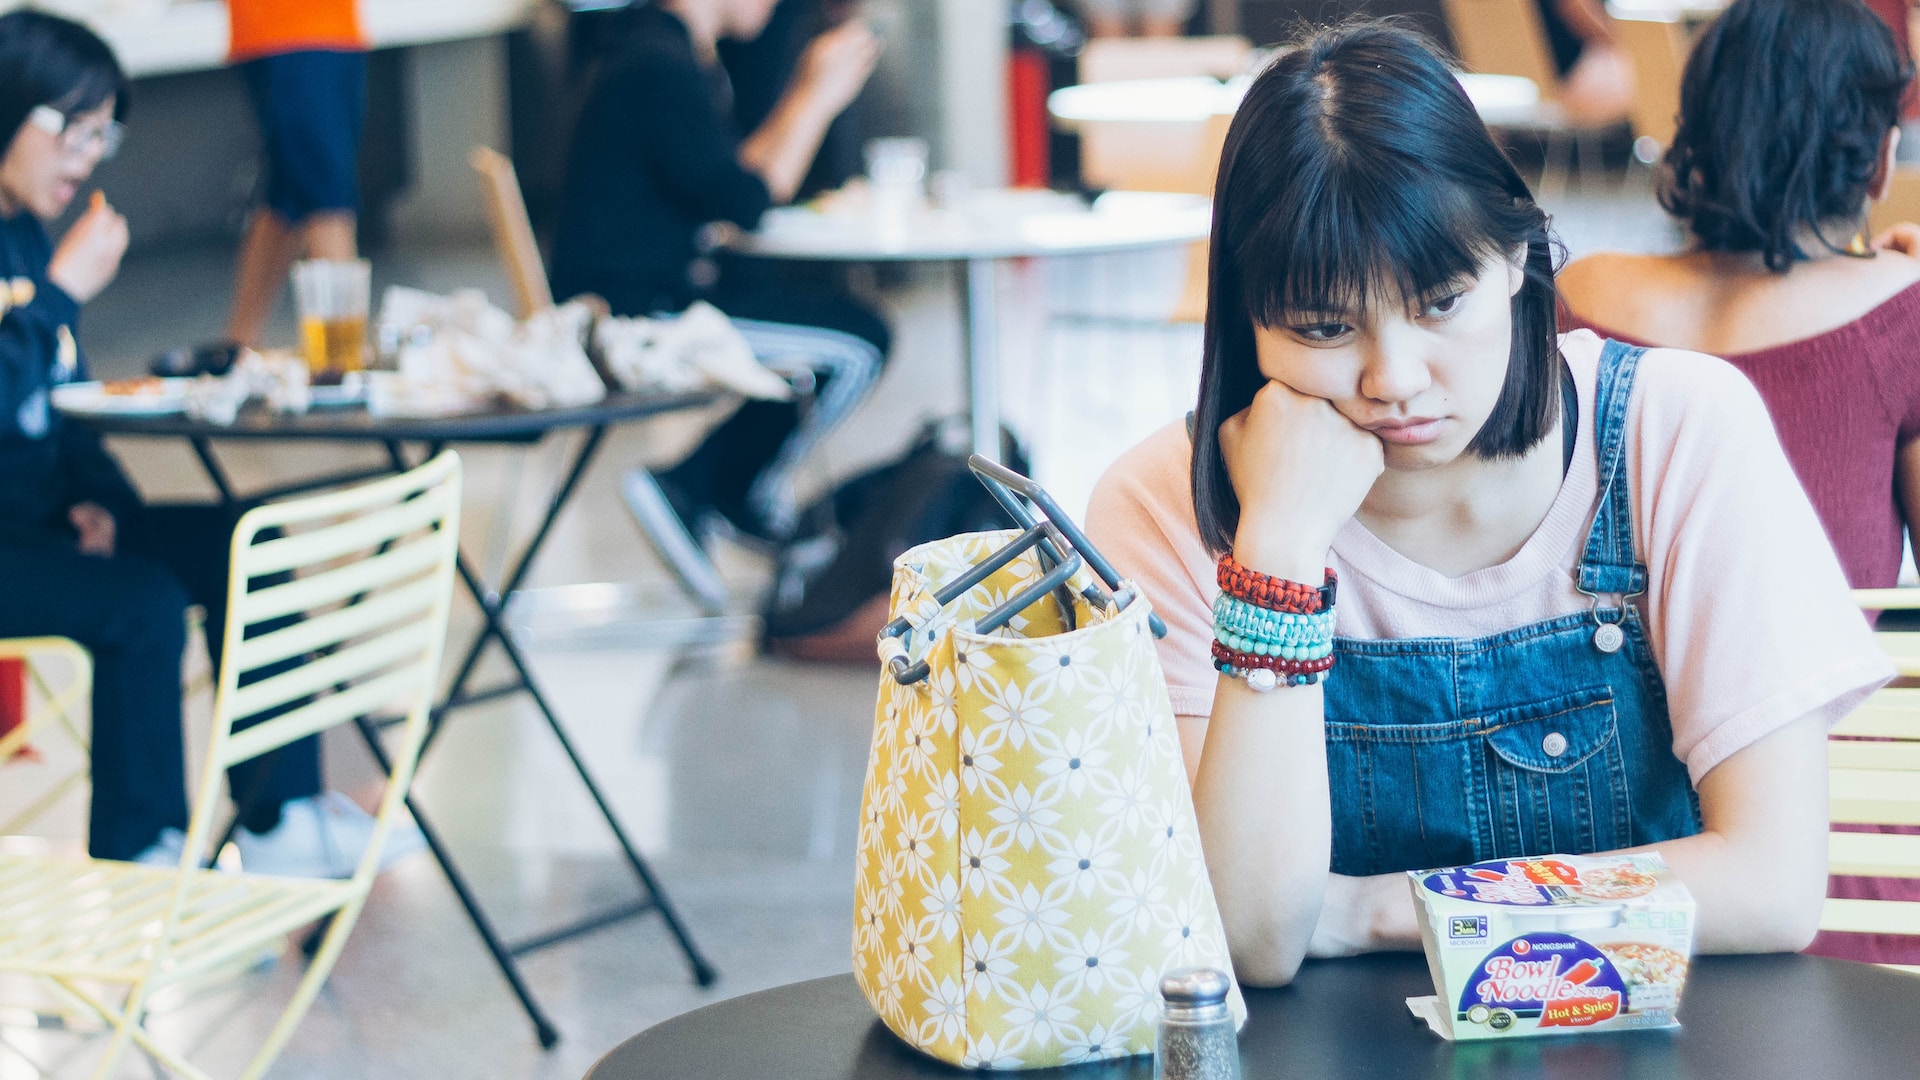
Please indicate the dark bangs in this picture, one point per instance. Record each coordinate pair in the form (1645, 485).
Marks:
(1357, 173)
(1360, 239)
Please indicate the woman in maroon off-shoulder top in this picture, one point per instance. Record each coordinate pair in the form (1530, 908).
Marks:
(1789, 114)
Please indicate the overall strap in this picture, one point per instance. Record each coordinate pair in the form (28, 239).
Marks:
(1608, 565)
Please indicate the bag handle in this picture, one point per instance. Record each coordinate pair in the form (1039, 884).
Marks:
(1052, 532)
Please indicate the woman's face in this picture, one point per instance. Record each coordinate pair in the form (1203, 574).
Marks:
(1422, 374)
(40, 173)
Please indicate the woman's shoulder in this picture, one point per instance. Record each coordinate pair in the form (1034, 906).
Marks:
(1593, 284)
(1157, 469)
(1146, 495)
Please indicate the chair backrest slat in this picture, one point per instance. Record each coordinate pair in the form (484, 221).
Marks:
(1871, 916)
(324, 631)
(354, 536)
(340, 583)
(405, 645)
(1872, 854)
(1874, 754)
(362, 699)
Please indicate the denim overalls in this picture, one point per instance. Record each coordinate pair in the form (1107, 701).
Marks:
(1550, 738)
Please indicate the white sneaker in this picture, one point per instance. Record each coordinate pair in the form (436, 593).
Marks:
(321, 837)
(165, 851)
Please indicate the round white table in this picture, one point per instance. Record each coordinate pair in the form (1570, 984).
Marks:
(1499, 99)
(986, 227)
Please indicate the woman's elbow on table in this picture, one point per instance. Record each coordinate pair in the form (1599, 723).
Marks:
(1788, 917)
(1264, 965)
(1267, 945)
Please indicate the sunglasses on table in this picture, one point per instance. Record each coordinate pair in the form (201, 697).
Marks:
(79, 136)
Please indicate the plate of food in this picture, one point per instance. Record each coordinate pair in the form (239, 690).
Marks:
(145, 396)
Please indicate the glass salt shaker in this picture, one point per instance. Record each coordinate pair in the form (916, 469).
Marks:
(1196, 1039)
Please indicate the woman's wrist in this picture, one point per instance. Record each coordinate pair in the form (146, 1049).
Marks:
(1281, 557)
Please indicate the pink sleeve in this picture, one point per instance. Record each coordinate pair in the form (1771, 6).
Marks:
(1141, 518)
(1749, 613)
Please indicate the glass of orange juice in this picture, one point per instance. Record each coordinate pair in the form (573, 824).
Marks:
(332, 296)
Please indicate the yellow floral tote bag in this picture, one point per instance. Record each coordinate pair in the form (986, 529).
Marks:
(1029, 863)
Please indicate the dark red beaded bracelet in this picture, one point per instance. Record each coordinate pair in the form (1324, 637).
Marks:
(1249, 661)
(1274, 593)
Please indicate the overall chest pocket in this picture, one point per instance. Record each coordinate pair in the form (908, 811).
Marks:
(1555, 778)
(1547, 776)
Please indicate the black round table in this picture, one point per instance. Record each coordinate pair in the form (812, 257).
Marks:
(495, 423)
(1743, 1018)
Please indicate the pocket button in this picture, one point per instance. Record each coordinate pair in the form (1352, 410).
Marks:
(1554, 744)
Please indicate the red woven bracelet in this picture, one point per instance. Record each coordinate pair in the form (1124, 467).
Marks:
(1249, 661)
(1274, 593)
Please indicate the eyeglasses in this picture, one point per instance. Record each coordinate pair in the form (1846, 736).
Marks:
(103, 137)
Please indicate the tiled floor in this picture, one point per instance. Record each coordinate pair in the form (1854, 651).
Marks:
(740, 776)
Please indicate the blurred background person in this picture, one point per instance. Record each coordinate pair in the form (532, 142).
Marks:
(656, 159)
(1596, 76)
(1136, 18)
(305, 65)
(1789, 114)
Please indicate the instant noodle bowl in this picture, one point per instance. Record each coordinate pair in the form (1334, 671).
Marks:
(1555, 944)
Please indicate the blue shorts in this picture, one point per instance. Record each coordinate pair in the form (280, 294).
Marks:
(311, 107)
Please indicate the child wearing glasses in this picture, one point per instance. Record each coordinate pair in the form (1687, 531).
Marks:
(1443, 585)
(80, 555)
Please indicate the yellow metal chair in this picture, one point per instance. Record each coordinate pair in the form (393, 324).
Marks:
(59, 678)
(370, 572)
(1873, 761)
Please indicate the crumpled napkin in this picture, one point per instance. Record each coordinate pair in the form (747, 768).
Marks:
(696, 349)
(457, 353)
(278, 376)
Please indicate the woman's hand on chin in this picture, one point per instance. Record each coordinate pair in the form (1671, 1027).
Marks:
(1300, 470)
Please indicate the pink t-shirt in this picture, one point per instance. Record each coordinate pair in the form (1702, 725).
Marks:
(1746, 608)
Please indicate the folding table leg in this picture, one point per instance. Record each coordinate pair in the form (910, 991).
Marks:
(495, 631)
(543, 1029)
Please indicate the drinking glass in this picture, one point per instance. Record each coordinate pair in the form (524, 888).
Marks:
(332, 297)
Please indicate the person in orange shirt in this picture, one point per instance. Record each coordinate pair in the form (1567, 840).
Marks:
(306, 67)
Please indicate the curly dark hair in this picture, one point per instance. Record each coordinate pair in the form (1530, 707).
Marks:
(1784, 107)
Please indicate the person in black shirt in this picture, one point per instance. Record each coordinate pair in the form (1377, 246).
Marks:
(656, 161)
(80, 555)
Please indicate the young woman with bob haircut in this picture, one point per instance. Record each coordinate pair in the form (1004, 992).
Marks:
(1582, 604)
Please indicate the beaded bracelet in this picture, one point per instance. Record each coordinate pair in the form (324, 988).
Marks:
(1223, 654)
(1232, 615)
(1274, 593)
(1264, 651)
(1261, 680)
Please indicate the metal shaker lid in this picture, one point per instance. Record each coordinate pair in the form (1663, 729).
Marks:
(1198, 986)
